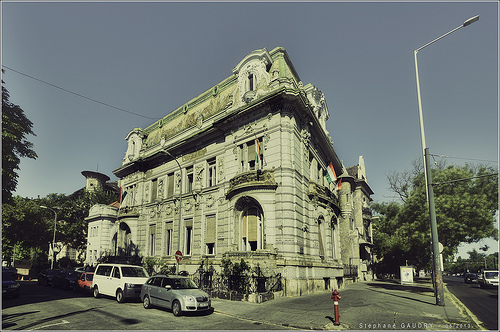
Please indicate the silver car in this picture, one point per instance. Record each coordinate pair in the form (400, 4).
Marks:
(177, 293)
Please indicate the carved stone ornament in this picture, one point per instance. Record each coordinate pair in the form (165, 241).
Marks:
(168, 209)
(160, 189)
(209, 201)
(220, 169)
(146, 192)
(199, 121)
(187, 205)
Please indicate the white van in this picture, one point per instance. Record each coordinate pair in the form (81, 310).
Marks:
(488, 278)
(119, 280)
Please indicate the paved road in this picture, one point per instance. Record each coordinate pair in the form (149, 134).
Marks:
(45, 308)
(481, 302)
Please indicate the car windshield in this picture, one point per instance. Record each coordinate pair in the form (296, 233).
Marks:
(491, 275)
(90, 277)
(183, 284)
(129, 271)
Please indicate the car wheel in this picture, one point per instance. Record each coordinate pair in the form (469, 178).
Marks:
(146, 302)
(119, 296)
(176, 308)
(96, 292)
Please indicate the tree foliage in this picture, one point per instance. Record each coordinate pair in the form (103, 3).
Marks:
(466, 201)
(474, 263)
(72, 226)
(15, 127)
(30, 227)
(23, 227)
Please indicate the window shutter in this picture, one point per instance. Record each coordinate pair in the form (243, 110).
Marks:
(210, 229)
(170, 190)
(244, 225)
(252, 225)
(251, 151)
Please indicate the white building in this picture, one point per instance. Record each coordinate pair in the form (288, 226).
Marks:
(243, 166)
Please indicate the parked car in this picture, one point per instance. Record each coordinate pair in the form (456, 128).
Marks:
(10, 269)
(119, 280)
(488, 278)
(84, 283)
(65, 279)
(45, 277)
(177, 293)
(470, 277)
(10, 287)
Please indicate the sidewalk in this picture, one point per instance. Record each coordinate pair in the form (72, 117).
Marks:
(374, 305)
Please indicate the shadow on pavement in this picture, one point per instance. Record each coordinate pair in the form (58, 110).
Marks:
(406, 288)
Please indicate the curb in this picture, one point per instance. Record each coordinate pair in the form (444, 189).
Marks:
(464, 310)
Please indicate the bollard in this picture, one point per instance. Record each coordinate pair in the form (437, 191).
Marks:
(336, 297)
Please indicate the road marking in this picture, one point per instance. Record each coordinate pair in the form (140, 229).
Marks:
(42, 327)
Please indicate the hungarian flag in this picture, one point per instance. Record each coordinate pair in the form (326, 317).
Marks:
(330, 174)
(122, 195)
(257, 152)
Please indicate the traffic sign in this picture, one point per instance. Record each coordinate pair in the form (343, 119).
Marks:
(178, 255)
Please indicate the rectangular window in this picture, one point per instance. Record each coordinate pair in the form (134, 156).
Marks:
(212, 174)
(152, 237)
(242, 158)
(190, 179)
(251, 82)
(189, 237)
(251, 155)
(210, 235)
(168, 240)
(320, 239)
(154, 190)
(170, 185)
(334, 253)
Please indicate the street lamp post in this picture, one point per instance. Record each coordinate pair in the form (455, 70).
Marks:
(437, 275)
(180, 209)
(54, 236)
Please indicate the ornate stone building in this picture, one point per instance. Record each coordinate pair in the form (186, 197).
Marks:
(241, 172)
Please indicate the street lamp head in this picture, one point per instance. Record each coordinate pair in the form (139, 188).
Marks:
(471, 20)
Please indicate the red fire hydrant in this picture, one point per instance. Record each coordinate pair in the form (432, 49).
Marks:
(336, 297)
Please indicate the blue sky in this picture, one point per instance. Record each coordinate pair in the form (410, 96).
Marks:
(150, 58)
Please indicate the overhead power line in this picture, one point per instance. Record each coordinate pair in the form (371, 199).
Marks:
(458, 180)
(78, 94)
(443, 156)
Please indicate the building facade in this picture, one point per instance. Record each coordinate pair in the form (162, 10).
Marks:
(245, 170)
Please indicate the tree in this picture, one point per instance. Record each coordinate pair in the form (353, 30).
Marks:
(466, 202)
(15, 127)
(30, 228)
(24, 228)
(72, 227)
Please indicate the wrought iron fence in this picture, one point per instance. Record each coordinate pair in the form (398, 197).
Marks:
(350, 270)
(236, 286)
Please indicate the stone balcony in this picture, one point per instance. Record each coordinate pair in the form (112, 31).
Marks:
(252, 180)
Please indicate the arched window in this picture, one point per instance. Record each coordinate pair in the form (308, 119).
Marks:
(251, 82)
(251, 229)
(334, 237)
(321, 232)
